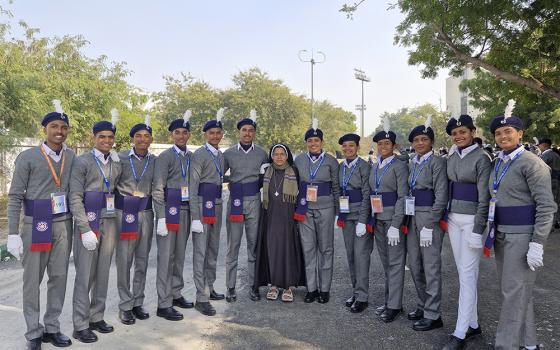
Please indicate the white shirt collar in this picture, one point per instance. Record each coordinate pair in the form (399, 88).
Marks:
(508, 157)
(100, 156)
(52, 154)
(212, 149)
(351, 163)
(178, 150)
(423, 158)
(382, 163)
(246, 151)
(318, 158)
(464, 152)
(132, 153)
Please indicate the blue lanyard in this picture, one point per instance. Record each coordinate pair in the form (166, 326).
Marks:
(378, 179)
(415, 174)
(498, 180)
(105, 180)
(218, 169)
(138, 179)
(183, 169)
(345, 180)
(313, 174)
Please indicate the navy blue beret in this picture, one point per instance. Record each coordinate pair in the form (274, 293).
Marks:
(179, 123)
(464, 120)
(382, 135)
(349, 137)
(139, 127)
(545, 141)
(212, 124)
(421, 130)
(104, 126)
(313, 133)
(499, 122)
(52, 116)
(246, 121)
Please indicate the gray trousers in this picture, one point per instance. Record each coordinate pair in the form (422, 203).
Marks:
(171, 261)
(317, 241)
(251, 211)
(516, 326)
(34, 265)
(358, 251)
(92, 275)
(556, 193)
(137, 250)
(393, 259)
(425, 265)
(205, 254)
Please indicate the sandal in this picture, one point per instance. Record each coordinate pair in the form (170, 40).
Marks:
(272, 293)
(288, 295)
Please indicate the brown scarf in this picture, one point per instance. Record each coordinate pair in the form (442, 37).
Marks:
(289, 186)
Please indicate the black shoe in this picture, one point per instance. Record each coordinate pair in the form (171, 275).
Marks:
(183, 303)
(205, 308)
(127, 317)
(216, 296)
(311, 296)
(379, 310)
(426, 324)
(415, 315)
(471, 332)
(454, 343)
(556, 226)
(101, 327)
(169, 314)
(389, 315)
(231, 296)
(350, 301)
(358, 306)
(57, 339)
(140, 313)
(85, 336)
(255, 295)
(323, 297)
(33, 344)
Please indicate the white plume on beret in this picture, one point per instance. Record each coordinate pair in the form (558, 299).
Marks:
(220, 114)
(58, 106)
(147, 120)
(315, 124)
(509, 109)
(386, 124)
(114, 116)
(253, 115)
(428, 123)
(187, 117)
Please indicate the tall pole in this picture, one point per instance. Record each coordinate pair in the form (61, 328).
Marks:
(307, 57)
(361, 75)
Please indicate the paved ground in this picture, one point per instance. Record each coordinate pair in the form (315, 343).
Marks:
(246, 324)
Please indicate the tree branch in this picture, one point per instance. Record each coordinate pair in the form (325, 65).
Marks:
(533, 83)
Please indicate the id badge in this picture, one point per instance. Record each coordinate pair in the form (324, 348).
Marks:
(110, 203)
(376, 203)
(138, 194)
(58, 202)
(311, 195)
(184, 193)
(409, 205)
(492, 209)
(344, 205)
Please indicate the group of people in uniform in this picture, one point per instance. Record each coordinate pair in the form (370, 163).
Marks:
(101, 201)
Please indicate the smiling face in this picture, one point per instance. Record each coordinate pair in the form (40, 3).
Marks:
(56, 133)
(385, 148)
(142, 140)
(180, 136)
(314, 144)
(462, 136)
(350, 149)
(279, 156)
(213, 136)
(508, 137)
(247, 134)
(104, 141)
(422, 144)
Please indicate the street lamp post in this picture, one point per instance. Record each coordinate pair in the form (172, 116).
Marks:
(307, 57)
(361, 75)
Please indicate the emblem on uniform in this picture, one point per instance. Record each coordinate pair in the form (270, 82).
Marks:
(458, 123)
(91, 216)
(209, 205)
(42, 226)
(237, 202)
(129, 218)
(173, 211)
(303, 201)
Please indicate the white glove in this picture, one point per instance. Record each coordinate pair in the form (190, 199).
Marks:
(335, 221)
(475, 241)
(426, 236)
(535, 255)
(360, 229)
(263, 168)
(196, 226)
(161, 229)
(89, 240)
(393, 236)
(15, 246)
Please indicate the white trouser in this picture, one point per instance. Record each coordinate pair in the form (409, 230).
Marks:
(467, 261)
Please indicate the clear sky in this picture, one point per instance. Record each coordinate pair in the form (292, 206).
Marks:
(213, 40)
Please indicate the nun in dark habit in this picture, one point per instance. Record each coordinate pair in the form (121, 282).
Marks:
(279, 262)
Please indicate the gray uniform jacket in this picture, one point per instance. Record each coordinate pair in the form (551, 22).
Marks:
(203, 170)
(245, 167)
(327, 173)
(359, 180)
(127, 184)
(394, 180)
(168, 173)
